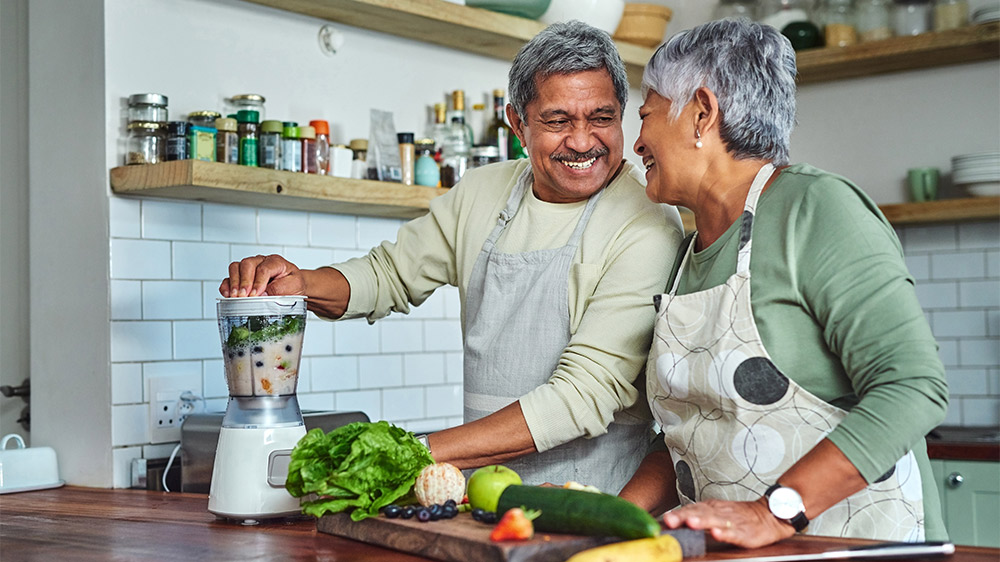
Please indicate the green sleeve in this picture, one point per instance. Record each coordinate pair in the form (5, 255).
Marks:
(854, 282)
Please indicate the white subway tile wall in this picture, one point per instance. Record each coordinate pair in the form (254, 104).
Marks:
(168, 258)
(957, 278)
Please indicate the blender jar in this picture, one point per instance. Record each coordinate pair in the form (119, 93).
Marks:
(262, 344)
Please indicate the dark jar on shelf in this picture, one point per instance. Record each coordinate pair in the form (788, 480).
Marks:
(246, 129)
(177, 141)
(227, 142)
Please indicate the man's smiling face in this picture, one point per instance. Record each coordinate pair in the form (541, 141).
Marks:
(572, 132)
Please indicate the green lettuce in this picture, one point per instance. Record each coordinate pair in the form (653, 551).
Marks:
(361, 466)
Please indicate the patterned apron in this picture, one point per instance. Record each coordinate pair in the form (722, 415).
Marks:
(734, 423)
(516, 328)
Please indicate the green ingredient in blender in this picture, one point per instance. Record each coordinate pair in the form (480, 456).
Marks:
(259, 328)
(361, 466)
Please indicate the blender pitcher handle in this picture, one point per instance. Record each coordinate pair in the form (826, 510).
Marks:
(8, 437)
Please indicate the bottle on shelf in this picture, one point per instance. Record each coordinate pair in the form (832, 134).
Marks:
(307, 135)
(874, 20)
(322, 128)
(837, 19)
(270, 145)
(247, 125)
(407, 155)
(291, 147)
(438, 130)
(457, 143)
(498, 132)
(227, 141)
(359, 165)
(426, 170)
(458, 109)
(477, 122)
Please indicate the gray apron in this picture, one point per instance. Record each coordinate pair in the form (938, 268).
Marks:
(734, 423)
(516, 328)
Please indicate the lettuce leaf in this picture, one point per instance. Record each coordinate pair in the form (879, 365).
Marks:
(361, 467)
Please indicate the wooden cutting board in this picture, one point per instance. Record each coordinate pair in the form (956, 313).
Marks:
(462, 539)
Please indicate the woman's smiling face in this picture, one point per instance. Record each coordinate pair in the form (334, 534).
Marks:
(573, 134)
(661, 141)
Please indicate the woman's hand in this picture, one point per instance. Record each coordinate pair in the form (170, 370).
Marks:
(262, 275)
(745, 524)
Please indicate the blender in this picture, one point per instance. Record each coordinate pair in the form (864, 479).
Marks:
(261, 347)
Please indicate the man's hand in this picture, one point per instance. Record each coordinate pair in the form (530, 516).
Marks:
(262, 275)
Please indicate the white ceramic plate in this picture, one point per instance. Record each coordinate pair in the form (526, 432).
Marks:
(985, 189)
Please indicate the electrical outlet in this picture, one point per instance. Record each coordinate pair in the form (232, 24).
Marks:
(167, 410)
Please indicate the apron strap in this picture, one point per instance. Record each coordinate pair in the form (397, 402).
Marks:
(749, 210)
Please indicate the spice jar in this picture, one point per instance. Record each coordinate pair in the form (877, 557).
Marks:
(246, 128)
(204, 118)
(735, 9)
(227, 141)
(780, 13)
(177, 141)
(359, 166)
(322, 145)
(147, 108)
(407, 156)
(253, 102)
(836, 19)
(426, 171)
(291, 147)
(950, 14)
(911, 17)
(201, 142)
(874, 20)
(145, 143)
(307, 135)
(269, 152)
(341, 159)
(483, 155)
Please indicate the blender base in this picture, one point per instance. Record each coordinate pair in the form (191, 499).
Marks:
(248, 479)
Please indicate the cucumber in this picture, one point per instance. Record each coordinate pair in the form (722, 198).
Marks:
(577, 512)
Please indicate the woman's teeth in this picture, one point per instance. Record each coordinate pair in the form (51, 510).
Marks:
(580, 165)
(649, 164)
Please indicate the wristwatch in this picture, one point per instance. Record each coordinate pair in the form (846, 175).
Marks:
(424, 441)
(786, 504)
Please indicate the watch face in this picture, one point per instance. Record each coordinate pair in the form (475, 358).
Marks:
(785, 503)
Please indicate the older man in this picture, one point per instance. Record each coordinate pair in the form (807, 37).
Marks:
(556, 258)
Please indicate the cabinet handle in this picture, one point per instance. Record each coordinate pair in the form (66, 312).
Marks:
(955, 479)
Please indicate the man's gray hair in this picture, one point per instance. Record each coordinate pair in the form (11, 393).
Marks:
(564, 48)
(751, 69)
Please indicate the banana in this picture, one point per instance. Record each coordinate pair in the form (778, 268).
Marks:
(663, 548)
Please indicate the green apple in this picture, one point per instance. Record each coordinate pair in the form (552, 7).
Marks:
(487, 483)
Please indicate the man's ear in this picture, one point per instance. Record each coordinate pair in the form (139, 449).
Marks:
(516, 124)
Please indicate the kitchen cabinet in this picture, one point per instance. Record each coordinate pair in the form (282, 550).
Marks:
(500, 36)
(970, 500)
(242, 185)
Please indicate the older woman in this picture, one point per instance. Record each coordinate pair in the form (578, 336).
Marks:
(795, 398)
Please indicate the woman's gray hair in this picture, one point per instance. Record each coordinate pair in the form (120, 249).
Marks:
(750, 67)
(564, 48)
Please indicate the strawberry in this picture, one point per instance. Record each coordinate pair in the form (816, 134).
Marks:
(515, 525)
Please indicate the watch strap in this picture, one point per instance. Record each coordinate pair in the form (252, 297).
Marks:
(799, 521)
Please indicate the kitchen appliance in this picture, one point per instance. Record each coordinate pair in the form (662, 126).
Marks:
(200, 439)
(261, 348)
(23, 469)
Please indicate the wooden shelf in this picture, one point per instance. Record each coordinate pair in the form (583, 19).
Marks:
(455, 26)
(242, 185)
(946, 210)
(968, 44)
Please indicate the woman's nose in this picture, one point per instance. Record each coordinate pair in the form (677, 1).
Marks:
(639, 147)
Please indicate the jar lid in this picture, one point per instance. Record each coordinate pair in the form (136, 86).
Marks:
(177, 127)
(359, 144)
(205, 114)
(252, 98)
(225, 124)
(321, 126)
(149, 99)
(270, 126)
(143, 125)
(307, 132)
(247, 116)
(498, 93)
(404, 138)
(289, 123)
(488, 151)
(290, 132)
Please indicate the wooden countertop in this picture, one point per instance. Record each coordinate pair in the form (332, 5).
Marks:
(964, 443)
(91, 524)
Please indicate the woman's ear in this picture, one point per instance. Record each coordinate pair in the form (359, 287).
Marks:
(706, 107)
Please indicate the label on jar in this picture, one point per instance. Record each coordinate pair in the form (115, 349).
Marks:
(291, 155)
(248, 152)
(203, 144)
(177, 148)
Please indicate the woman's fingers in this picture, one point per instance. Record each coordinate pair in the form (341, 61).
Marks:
(746, 524)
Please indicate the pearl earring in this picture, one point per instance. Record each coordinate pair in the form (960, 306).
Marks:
(697, 143)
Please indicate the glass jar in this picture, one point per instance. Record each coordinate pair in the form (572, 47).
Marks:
(147, 108)
(911, 17)
(201, 142)
(253, 102)
(246, 128)
(227, 141)
(307, 135)
(426, 171)
(145, 143)
(177, 141)
(269, 153)
(950, 14)
(204, 118)
(483, 155)
(359, 165)
(735, 9)
(780, 13)
(836, 19)
(874, 20)
(291, 147)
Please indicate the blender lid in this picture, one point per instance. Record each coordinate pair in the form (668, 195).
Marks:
(270, 305)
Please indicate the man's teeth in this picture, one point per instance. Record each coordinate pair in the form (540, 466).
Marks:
(580, 165)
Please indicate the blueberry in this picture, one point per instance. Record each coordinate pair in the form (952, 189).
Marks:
(424, 515)
(449, 511)
(489, 517)
(392, 511)
(258, 349)
(452, 503)
(477, 513)
(408, 512)
(288, 348)
(435, 509)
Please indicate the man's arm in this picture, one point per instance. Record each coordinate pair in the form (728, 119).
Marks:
(494, 439)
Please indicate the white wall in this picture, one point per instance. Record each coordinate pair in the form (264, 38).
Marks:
(149, 269)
